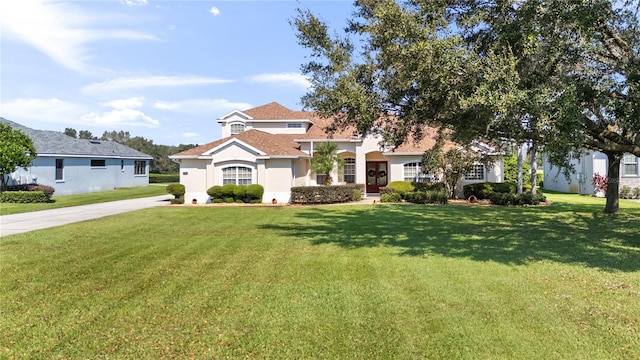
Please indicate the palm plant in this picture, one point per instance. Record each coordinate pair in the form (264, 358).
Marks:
(325, 159)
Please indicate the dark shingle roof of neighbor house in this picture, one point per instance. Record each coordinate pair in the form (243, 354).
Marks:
(49, 142)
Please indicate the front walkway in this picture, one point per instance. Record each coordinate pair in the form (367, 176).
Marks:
(36, 220)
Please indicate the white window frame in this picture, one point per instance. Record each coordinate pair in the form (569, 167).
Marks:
(140, 167)
(349, 170)
(237, 180)
(416, 174)
(236, 124)
(478, 173)
(630, 159)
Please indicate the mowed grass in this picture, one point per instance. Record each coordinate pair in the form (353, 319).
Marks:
(60, 201)
(350, 282)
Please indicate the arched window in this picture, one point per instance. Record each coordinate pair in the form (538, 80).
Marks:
(413, 172)
(236, 175)
(236, 128)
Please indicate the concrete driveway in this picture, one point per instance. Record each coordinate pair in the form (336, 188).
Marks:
(36, 220)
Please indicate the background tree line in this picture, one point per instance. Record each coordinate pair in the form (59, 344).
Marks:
(161, 164)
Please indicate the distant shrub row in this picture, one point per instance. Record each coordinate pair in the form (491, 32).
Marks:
(485, 190)
(231, 193)
(27, 193)
(326, 194)
(163, 178)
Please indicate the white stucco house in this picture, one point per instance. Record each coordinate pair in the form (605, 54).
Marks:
(272, 146)
(586, 166)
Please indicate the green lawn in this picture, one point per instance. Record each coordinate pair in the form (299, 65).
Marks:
(84, 199)
(351, 282)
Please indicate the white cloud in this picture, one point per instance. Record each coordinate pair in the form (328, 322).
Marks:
(215, 11)
(130, 103)
(67, 113)
(215, 107)
(190, 134)
(46, 110)
(134, 2)
(58, 30)
(152, 81)
(282, 78)
(121, 117)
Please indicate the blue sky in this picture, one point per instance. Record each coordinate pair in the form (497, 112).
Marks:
(164, 70)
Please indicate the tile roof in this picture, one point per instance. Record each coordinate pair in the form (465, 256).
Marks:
(54, 142)
(284, 144)
(272, 145)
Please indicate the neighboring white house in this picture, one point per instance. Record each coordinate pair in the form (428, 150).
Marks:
(586, 166)
(75, 166)
(272, 146)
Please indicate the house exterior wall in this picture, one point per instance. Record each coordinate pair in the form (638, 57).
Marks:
(278, 180)
(78, 175)
(579, 182)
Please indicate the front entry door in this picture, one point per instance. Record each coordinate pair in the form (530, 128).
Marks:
(377, 175)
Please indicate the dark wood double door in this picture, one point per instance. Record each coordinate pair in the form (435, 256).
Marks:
(377, 175)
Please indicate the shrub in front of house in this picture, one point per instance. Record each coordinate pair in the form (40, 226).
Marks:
(486, 189)
(401, 187)
(46, 189)
(215, 192)
(240, 193)
(24, 197)
(626, 192)
(517, 199)
(636, 193)
(357, 195)
(254, 192)
(324, 194)
(425, 186)
(177, 190)
(228, 190)
(433, 196)
(392, 197)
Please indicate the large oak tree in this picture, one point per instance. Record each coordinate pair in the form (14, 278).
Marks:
(560, 75)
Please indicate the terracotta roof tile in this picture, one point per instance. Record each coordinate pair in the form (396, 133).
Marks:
(284, 144)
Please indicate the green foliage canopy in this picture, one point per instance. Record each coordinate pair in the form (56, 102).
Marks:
(16, 151)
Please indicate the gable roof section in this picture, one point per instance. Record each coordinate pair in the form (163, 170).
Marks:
(269, 144)
(49, 142)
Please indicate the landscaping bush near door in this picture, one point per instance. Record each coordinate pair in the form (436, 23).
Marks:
(486, 189)
(324, 194)
(517, 199)
(230, 193)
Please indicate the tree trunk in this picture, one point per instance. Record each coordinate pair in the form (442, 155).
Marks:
(520, 149)
(613, 183)
(534, 167)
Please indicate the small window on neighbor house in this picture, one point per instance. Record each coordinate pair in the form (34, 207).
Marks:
(59, 169)
(294, 125)
(140, 167)
(476, 173)
(98, 163)
(121, 165)
(349, 170)
(630, 165)
(236, 128)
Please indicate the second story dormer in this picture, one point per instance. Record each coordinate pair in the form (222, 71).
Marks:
(271, 118)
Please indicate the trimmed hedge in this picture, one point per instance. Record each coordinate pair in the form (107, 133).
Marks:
(231, 193)
(24, 197)
(324, 194)
(46, 189)
(517, 199)
(401, 187)
(486, 189)
(164, 178)
(177, 190)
